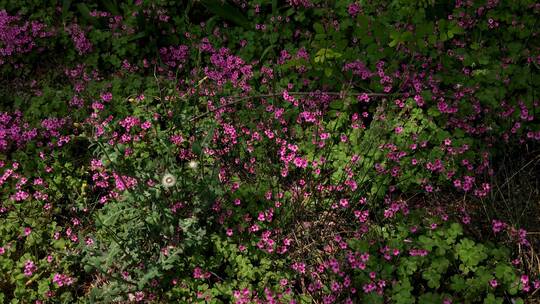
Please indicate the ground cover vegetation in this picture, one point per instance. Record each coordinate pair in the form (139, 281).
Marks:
(299, 151)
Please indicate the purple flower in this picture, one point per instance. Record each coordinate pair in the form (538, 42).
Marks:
(354, 9)
(29, 268)
(82, 44)
(106, 97)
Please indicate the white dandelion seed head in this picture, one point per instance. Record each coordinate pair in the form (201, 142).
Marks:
(193, 164)
(168, 180)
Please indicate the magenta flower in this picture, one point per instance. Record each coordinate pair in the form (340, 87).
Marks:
(29, 268)
(106, 97)
(353, 9)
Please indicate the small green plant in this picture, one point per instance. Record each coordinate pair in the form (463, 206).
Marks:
(438, 257)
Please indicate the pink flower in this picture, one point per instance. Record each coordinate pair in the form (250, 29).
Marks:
(198, 273)
(106, 96)
(21, 196)
(62, 279)
(300, 162)
(299, 267)
(146, 125)
(353, 9)
(369, 287)
(82, 44)
(29, 268)
(362, 216)
(177, 139)
(524, 279)
(418, 252)
(89, 241)
(497, 226)
(363, 97)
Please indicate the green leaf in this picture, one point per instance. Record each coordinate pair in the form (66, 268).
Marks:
(430, 298)
(65, 8)
(266, 50)
(491, 299)
(328, 72)
(373, 298)
(402, 292)
(458, 283)
(197, 148)
(227, 12)
(85, 13)
(111, 6)
(336, 105)
(318, 28)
